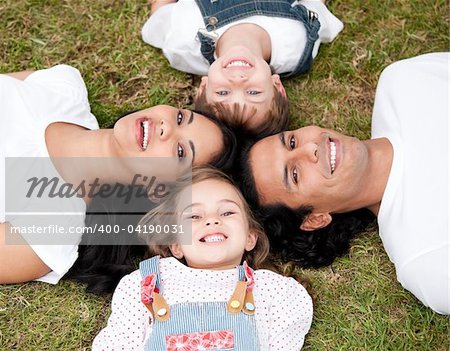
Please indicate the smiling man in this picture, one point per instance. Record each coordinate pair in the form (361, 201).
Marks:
(400, 175)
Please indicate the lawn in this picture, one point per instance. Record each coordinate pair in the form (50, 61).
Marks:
(359, 305)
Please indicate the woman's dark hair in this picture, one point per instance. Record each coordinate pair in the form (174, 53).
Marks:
(105, 255)
(307, 248)
(225, 159)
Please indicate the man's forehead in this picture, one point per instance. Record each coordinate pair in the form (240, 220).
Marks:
(267, 168)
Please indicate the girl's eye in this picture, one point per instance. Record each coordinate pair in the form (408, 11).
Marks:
(295, 175)
(253, 92)
(194, 217)
(228, 213)
(180, 117)
(222, 93)
(292, 142)
(180, 151)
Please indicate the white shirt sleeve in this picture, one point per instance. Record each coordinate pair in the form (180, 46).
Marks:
(173, 28)
(330, 25)
(291, 316)
(129, 323)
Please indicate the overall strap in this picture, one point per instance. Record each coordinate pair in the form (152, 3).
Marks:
(218, 13)
(151, 266)
(151, 289)
(242, 298)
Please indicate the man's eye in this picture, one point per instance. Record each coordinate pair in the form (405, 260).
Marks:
(222, 92)
(180, 117)
(253, 92)
(292, 142)
(295, 175)
(180, 151)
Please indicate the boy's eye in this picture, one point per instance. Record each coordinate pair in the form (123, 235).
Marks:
(292, 142)
(253, 92)
(194, 217)
(180, 151)
(180, 117)
(222, 92)
(294, 175)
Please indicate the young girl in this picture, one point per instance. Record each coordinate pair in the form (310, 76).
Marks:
(202, 295)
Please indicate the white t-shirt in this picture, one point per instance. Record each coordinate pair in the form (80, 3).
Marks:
(283, 307)
(27, 108)
(412, 111)
(173, 28)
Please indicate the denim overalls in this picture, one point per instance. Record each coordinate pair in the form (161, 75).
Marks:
(217, 13)
(214, 326)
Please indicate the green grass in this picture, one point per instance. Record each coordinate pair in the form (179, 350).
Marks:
(359, 305)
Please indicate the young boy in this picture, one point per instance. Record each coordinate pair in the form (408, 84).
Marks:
(241, 47)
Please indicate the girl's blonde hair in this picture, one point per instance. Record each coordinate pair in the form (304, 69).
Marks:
(166, 214)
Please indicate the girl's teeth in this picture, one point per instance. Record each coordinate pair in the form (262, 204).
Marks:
(214, 238)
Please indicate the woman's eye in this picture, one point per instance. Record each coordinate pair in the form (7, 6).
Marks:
(292, 142)
(180, 151)
(222, 92)
(180, 117)
(253, 92)
(295, 175)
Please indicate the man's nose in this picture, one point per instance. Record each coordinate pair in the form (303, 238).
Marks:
(306, 152)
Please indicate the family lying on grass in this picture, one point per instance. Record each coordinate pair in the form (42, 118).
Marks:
(307, 191)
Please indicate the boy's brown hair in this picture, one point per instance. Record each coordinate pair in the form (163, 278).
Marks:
(274, 121)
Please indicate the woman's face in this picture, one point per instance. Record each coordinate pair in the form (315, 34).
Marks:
(165, 131)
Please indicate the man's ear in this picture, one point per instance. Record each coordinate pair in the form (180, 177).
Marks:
(176, 251)
(252, 238)
(316, 221)
(276, 80)
(202, 86)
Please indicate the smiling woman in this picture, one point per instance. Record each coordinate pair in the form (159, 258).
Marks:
(47, 115)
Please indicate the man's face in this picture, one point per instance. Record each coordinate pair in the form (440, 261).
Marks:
(309, 166)
(239, 77)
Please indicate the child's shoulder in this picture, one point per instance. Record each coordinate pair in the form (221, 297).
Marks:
(275, 281)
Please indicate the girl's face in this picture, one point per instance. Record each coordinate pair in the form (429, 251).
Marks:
(165, 131)
(220, 230)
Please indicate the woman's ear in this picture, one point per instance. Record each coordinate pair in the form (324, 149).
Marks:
(252, 238)
(176, 251)
(202, 86)
(316, 221)
(278, 84)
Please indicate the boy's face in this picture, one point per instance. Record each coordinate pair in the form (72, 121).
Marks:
(240, 77)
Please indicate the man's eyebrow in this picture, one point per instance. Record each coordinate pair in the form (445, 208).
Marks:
(191, 117)
(191, 144)
(285, 168)
(281, 136)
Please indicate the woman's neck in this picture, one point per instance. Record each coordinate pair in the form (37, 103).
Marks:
(82, 155)
(251, 36)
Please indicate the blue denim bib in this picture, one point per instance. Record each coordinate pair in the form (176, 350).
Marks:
(218, 13)
(200, 317)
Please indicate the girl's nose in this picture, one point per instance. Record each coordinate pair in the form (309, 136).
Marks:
(210, 221)
(165, 130)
